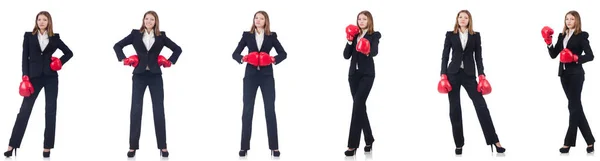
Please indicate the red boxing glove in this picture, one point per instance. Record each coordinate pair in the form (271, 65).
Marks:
(444, 85)
(265, 59)
(25, 88)
(363, 46)
(55, 64)
(162, 61)
(547, 33)
(251, 58)
(566, 56)
(131, 61)
(484, 86)
(351, 31)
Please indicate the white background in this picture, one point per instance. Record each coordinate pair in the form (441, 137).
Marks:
(203, 90)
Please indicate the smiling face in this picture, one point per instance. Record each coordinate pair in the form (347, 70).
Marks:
(149, 21)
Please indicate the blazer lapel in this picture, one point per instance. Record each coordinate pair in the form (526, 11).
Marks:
(140, 39)
(569, 41)
(262, 46)
(48, 45)
(457, 40)
(469, 41)
(37, 42)
(156, 41)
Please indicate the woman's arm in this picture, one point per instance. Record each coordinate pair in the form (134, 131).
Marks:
(174, 47)
(121, 44)
(374, 44)
(237, 53)
(446, 53)
(67, 53)
(585, 44)
(478, 57)
(25, 60)
(281, 54)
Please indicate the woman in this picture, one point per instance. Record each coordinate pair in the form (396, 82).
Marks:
(148, 42)
(362, 46)
(464, 43)
(39, 71)
(572, 42)
(259, 73)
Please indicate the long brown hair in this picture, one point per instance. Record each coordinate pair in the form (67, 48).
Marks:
(156, 23)
(370, 24)
(469, 26)
(267, 23)
(49, 30)
(577, 22)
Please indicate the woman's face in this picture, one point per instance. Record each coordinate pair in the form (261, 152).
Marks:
(149, 21)
(363, 21)
(259, 20)
(570, 21)
(463, 20)
(42, 22)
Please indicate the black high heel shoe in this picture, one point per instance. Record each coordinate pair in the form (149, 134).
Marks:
(498, 149)
(350, 152)
(164, 153)
(458, 151)
(243, 153)
(369, 147)
(10, 153)
(565, 150)
(130, 153)
(275, 153)
(590, 149)
(46, 154)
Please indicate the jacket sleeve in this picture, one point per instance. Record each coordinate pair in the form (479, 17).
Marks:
(281, 53)
(67, 53)
(121, 44)
(25, 63)
(174, 47)
(446, 53)
(478, 57)
(585, 44)
(374, 44)
(237, 53)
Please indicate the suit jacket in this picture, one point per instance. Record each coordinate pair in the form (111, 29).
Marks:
(269, 42)
(469, 57)
(36, 61)
(366, 65)
(147, 57)
(578, 44)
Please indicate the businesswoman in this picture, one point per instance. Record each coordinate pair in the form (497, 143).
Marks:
(39, 71)
(362, 46)
(259, 73)
(574, 49)
(466, 55)
(148, 42)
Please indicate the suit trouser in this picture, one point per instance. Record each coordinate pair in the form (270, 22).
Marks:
(572, 85)
(360, 87)
(485, 120)
(50, 83)
(155, 84)
(267, 87)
